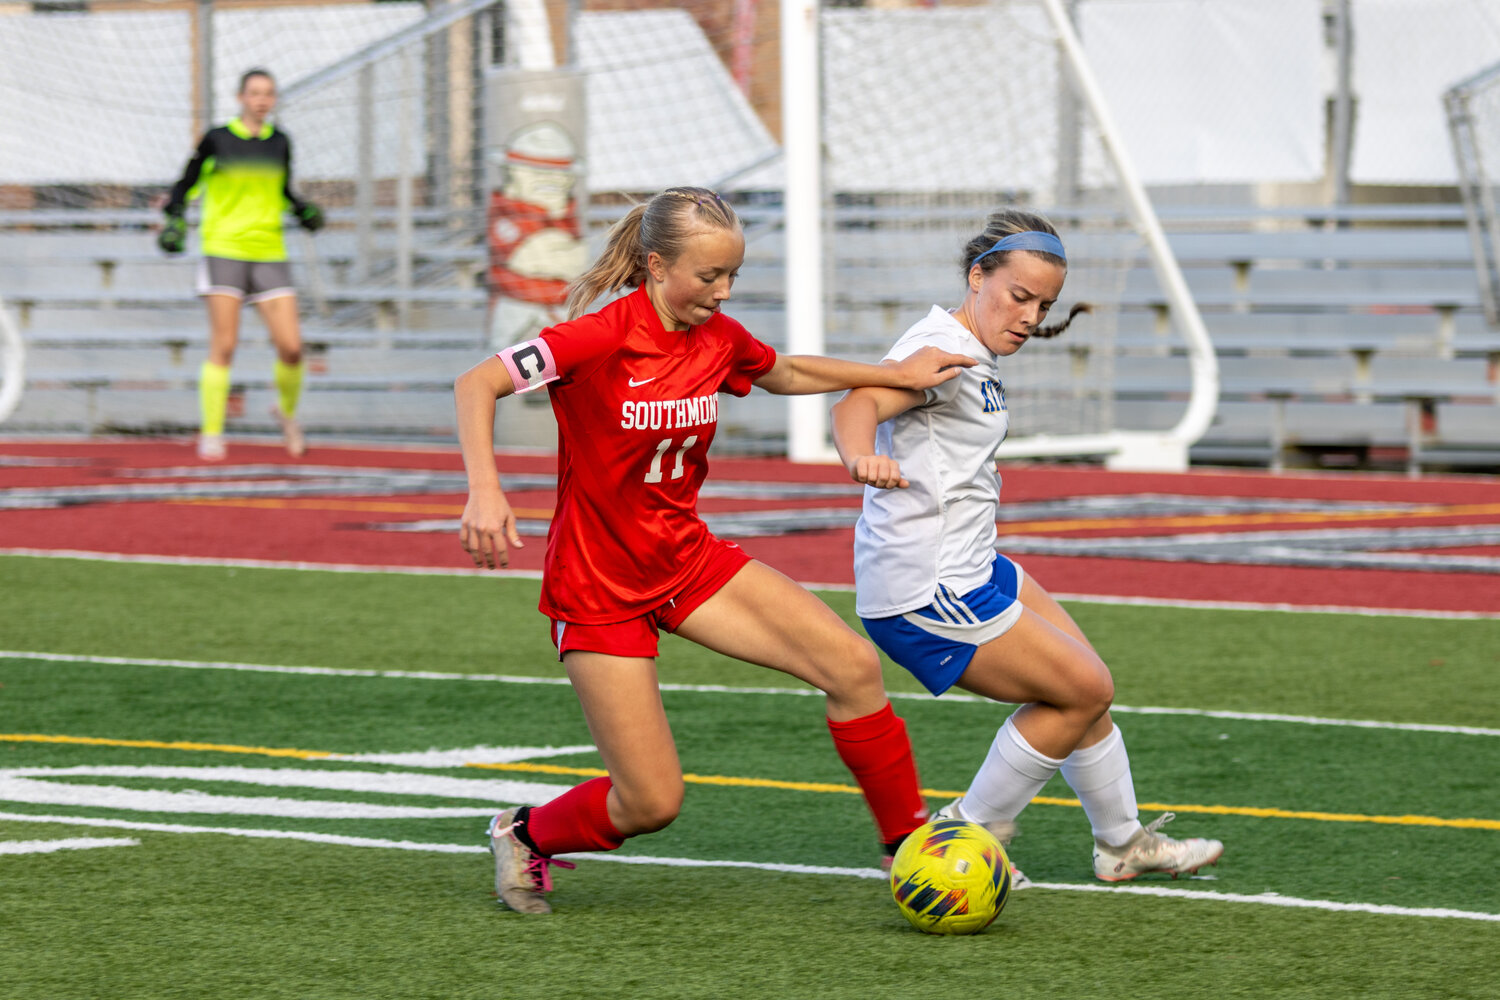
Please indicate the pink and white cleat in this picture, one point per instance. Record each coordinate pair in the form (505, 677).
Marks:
(521, 875)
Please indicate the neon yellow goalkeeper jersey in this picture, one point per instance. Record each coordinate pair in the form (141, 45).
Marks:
(246, 184)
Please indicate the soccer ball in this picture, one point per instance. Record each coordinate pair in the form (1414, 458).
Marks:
(950, 877)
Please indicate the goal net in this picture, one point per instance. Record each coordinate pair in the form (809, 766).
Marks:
(112, 98)
(931, 119)
(862, 144)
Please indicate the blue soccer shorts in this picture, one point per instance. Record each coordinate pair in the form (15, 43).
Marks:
(937, 642)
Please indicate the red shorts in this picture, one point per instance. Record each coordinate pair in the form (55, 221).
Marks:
(638, 636)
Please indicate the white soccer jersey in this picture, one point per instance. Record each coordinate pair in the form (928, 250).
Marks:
(940, 529)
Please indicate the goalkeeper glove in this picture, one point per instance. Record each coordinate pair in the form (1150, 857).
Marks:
(310, 216)
(173, 235)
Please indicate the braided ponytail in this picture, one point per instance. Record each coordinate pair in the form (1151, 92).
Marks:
(1008, 222)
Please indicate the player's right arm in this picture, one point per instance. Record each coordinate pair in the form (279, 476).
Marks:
(560, 354)
(488, 530)
(173, 235)
(855, 418)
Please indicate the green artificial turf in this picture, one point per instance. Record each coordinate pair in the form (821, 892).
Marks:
(205, 914)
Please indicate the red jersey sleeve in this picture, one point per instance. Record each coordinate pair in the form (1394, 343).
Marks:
(751, 359)
(579, 345)
(564, 353)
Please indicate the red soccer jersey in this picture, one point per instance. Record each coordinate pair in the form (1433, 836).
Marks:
(636, 407)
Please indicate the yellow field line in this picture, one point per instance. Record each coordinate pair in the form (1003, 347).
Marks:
(692, 779)
(159, 745)
(1322, 817)
(796, 786)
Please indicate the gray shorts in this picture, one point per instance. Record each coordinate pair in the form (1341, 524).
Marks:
(251, 280)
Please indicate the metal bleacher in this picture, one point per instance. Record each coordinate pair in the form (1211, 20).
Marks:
(1347, 337)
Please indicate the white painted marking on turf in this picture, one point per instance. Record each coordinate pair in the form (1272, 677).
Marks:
(71, 844)
(1306, 720)
(230, 831)
(1272, 899)
(462, 758)
(1267, 899)
(527, 574)
(29, 785)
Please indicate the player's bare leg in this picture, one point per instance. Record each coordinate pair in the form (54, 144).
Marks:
(622, 705)
(213, 377)
(1060, 682)
(1033, 743)
(280, 316)
(761, 616)
(642, 792)
(1063, 689)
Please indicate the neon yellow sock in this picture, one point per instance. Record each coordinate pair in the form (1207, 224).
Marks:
(213, 396)
(289, 384)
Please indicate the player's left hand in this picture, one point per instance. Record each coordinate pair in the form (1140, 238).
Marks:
(932, 366)
(879, 471)
(310, 216)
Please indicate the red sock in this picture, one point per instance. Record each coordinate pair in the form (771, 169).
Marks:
(577, 820)
(877, 750)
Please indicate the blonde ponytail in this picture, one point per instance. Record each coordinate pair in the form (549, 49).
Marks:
(622, 263)
(663, 226)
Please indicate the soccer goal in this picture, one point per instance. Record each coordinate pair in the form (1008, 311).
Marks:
(12, 363)
(903, 128)
(1473, 108)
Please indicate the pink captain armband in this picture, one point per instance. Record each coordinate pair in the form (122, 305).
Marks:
(530, 364)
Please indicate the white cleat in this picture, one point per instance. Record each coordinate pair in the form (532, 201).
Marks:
(1003, 829)
(211, 447)
(1149, 851)
(291, 433)
(521, 875)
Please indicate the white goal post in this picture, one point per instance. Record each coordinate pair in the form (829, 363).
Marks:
(1109, 185)
(12, 363)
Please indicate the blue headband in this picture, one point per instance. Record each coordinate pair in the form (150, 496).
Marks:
(1030, 240)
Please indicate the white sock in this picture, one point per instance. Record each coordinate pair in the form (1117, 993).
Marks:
(1100, 776)
(1011, 774)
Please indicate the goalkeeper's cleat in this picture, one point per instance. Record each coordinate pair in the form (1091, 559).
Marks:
(173, 235)
(211, 447)
(291, 433)
(1149, 851)
(521, 875)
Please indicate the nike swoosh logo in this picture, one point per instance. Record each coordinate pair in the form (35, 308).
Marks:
(634, 383)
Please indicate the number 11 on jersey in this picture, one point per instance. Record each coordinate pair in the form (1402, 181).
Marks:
(654, 476)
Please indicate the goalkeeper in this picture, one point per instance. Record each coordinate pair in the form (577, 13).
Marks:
(243, 170)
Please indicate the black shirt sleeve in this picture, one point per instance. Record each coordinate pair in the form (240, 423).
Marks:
(177, 199)
(286, 187)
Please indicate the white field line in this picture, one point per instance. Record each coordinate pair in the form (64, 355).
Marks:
(1305, 720)
(1268, 899)
(32, 785)
(527, 574)
(71, 844)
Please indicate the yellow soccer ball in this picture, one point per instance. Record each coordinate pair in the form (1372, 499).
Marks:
(950, 877)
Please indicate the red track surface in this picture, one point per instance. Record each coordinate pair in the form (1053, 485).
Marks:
(334, 529)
